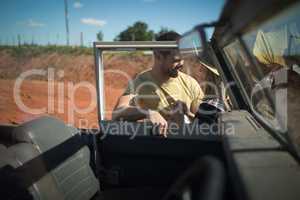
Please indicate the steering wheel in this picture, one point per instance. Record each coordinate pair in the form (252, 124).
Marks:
(204, 180)
(208, 110)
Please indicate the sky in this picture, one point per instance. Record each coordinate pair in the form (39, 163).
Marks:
(43, 21)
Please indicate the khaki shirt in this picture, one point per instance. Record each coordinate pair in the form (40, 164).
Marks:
(150, 95)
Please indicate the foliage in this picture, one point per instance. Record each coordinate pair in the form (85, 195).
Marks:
(35, 50)
(99, 36)
(137, 32)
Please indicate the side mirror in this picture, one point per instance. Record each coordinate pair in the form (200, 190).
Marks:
(194, 42)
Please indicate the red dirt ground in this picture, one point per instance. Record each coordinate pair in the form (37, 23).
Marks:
(34, 90)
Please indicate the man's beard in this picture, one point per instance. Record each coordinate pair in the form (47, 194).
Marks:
(173, 72)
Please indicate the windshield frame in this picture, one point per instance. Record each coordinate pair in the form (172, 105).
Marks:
(230, 31)
(101, 47)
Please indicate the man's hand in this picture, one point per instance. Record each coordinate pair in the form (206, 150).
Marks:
(158, 121)
(183, 109)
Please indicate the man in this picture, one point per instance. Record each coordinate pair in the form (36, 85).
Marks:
(162, 94)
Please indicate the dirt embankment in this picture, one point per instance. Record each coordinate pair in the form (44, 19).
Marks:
(70, 72)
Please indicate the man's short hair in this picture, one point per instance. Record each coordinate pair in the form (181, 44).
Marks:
(168, 36)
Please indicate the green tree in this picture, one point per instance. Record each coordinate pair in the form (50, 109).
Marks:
(99, 36)
(137, 32)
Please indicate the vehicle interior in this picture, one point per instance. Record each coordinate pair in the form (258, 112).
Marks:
(253, 154)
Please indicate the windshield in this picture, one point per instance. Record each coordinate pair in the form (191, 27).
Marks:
(266, 61)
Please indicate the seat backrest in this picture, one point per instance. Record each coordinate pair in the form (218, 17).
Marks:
(5, 158)
(15, 156)
(74, 177)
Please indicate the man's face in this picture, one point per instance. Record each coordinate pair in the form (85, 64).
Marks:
(170, 62)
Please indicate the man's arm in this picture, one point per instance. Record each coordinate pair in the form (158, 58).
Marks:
(125, 111)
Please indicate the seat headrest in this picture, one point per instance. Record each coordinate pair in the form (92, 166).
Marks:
(4, 156)
(44, 132)
(16, 155)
